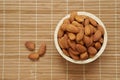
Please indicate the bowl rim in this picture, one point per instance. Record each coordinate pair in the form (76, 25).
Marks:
(81, 61)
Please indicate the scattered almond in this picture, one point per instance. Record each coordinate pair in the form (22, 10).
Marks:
(42, 49)
(33, 56)
(30, 45)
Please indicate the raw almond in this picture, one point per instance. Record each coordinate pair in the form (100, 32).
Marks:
(92, 51)
(33, 56)
(91, 29)
(66, 52)
(77, 24)
(93, 22)
(97, 45)
(87, 30)
(72, 44)
(97, 35)
(84, 56)
(63, 42)
(30, 45)
(71, 28)
(80, 18)
(79, 36)
(60, 33)
(63, 26)
(72, 16)
(73, 51)
(101, 40)
(81, 48)
(75, 57)
(71, 36)
(88, 41)
(101, 29)
(42, 49)
(66, 21)
(86, 21)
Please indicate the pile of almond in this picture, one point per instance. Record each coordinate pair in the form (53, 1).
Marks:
(34, 56)
(80, 37)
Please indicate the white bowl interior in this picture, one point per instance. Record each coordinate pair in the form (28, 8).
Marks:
(80, 61)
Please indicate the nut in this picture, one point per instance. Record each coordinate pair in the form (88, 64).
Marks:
(97, 45)
(42, 49)
(33, 56)
(73, 51)
(97, 35)
(93, 22)
(79, 36)
(30, 45)
(72, 44)
(71, 28)
(72, 16)
(92, 51)
(88, 41)
(87, 30)
(60, 33)
(65, 52)
(71, 36)
(81, 48)
(84, 56)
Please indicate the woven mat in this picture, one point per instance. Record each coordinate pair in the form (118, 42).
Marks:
(36, 20)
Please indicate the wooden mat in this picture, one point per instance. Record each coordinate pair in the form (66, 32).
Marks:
(36, 20)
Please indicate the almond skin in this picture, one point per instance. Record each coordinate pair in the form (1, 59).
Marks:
(86, 21)
(97, 35)
(75, 57)
(87, 30)
(60, 33)
(71, 28)
(92, 51)
(84, 56)
(72, 44)
(101, 29)
(79, 36)
(72, 16)
(75, 23)
(93, 22)
(66, 21)
(42, 49)
(73, 51)
(80, 48)
(88, 41)
(33, 56)
(97, 45)
(66, 52)
(71, 36)
(30, 45)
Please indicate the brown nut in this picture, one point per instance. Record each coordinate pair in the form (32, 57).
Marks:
(97, 45)
(71, 28)
(80, 18)
(86, 22)
(66, 21)
(101, 29)
(79, 36)
(71, 36)
(87, 30)
(30, 45)
(80, 48)
(75, 23)
(88, 41)
(93, 22)
(60, 33)
(92, 51)
(33, 56)
(65, 52)
(72, 16)
(74, 51)
(84, 56)
(42, 49)
(97, 35)
(72, 44)
(75, 57)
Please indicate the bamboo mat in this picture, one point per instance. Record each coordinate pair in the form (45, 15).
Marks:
(35, 20)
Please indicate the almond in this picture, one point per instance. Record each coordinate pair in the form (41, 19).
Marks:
(75, 23)
(80, 18)
(97, 45)
(72, 16)
(66, 21)
(92, 51)
(97, 35)
(71, 36)
(72, 44)
(74, 51)
(80, 48)
(33, 56)
(93, 22)
(42, 49)
(87, 30)
(91, 29)
(101, 40)
(63, 42)
(88, 41)
(86, 21)
(65, 52)
(60, 33)
(63, 26)
(30, 45)
(71, 28)
(84, 56)
(79, 36)
(101, 29)
(75, 57)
